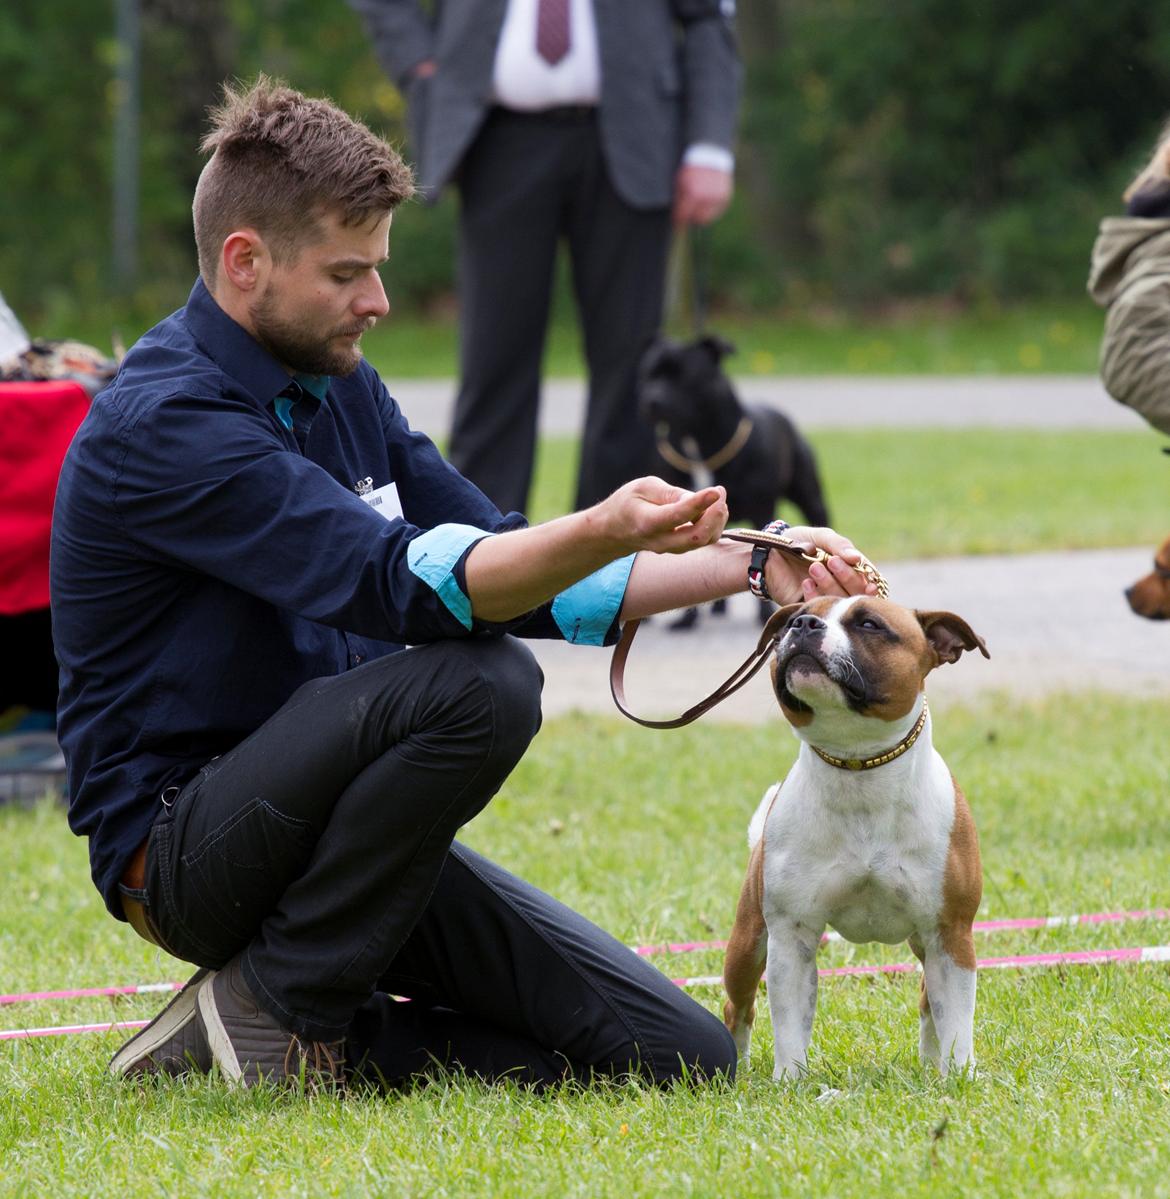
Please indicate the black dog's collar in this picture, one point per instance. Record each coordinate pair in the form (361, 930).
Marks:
(719, 459)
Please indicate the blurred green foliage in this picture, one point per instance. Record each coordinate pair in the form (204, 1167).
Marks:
(961, 149)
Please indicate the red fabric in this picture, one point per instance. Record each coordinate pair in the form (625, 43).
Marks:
(37, 423)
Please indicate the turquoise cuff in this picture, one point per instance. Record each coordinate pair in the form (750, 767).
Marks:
(585, 612)
(432, 557)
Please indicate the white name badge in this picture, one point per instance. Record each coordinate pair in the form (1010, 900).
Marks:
(385, 500)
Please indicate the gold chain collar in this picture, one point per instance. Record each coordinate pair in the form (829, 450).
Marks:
(879, 759)
(720, 458)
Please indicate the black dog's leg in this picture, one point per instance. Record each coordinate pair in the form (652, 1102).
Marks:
(687, 619)
(806, 491)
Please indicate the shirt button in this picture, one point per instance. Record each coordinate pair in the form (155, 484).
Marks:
(357, 659)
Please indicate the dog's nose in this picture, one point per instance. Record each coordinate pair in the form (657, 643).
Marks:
(806, 622)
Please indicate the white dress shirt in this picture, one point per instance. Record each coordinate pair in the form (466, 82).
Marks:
(522, 80)
(525, 82)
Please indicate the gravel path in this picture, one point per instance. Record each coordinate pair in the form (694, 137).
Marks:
(1032, 401)
(1052, 622)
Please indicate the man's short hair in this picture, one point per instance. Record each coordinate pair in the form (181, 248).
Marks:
(279, 162)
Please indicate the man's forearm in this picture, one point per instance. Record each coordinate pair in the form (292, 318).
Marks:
(663, 582)
(513, 573)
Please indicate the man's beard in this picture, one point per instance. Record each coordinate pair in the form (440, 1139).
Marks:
(300, 346)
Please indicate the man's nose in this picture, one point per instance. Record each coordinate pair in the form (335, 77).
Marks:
(372, 301)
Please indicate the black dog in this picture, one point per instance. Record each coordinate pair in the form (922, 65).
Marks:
(706, 435)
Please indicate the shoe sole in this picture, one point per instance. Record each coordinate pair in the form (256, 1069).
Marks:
(175, 1016)
(223, 1053)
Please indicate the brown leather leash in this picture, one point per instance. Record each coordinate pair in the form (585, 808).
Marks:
(752, 664)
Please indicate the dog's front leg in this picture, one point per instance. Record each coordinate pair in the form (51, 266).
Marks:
(792, 994)
(948, 1006)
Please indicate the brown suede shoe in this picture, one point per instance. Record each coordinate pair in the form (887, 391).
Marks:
(250, 1046)
(172, 1043)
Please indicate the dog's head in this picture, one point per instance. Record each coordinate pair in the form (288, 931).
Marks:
(848, 670)
(1150, 595)
(681, 383)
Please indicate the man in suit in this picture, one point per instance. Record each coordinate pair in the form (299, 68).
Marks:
(591, 120)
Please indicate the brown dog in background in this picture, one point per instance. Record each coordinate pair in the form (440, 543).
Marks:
(1150, 595)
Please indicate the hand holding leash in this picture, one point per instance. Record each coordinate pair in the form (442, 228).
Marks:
(842, 568)
(833, 565)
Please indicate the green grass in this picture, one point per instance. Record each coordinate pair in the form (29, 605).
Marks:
(923, 493)
(644, 832)
(1054, 338)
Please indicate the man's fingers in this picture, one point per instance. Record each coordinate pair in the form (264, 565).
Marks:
(836, 577)
(692, 507)
(828, 540)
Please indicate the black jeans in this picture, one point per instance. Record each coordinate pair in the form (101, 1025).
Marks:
(321, 849)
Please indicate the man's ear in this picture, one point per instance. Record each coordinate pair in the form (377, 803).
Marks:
(950, 635)
(244, 259)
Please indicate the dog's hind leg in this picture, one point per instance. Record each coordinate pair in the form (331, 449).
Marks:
(747, 951)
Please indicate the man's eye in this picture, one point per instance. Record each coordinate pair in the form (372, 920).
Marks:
(342, 278)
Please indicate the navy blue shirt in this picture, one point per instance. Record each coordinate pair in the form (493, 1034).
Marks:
(207, 560)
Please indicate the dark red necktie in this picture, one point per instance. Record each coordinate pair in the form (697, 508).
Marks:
(552, 30)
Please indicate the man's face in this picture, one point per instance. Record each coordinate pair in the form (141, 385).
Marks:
(313, 310)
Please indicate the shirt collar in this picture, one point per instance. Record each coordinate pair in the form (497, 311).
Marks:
(234, 350)
(315, 385)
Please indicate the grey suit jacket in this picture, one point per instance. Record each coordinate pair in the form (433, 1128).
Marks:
(670, 76)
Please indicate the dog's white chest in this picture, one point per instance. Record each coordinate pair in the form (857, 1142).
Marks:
(865, 855)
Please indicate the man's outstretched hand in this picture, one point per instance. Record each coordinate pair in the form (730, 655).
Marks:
(651, 514)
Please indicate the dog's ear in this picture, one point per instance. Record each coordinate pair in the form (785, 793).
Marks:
(950, 635)
(718, 347)
(656, 349)
(775, 627)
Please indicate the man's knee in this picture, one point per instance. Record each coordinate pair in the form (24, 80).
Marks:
(705, 1052)
(498, 684)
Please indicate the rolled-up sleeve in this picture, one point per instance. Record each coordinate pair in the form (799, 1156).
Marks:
(433, 557)
(586, 613)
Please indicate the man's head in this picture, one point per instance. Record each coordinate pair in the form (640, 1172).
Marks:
(292, 215)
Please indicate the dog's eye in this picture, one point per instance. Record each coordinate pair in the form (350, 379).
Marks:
(868, 622)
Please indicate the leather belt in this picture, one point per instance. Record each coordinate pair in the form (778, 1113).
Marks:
(134, 877)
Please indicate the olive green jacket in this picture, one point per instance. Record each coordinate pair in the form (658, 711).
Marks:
(1130, 279)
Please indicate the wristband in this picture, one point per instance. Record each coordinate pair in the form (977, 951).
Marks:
(757, 583)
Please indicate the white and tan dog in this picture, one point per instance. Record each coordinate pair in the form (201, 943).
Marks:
(868, 833)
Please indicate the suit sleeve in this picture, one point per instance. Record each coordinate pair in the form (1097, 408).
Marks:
(401, 34)
(712, 72)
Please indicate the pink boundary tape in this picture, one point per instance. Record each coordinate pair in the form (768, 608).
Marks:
(980, 926)
(63, 1030)
(1084, 957)
(90, 992)
(983, 926)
